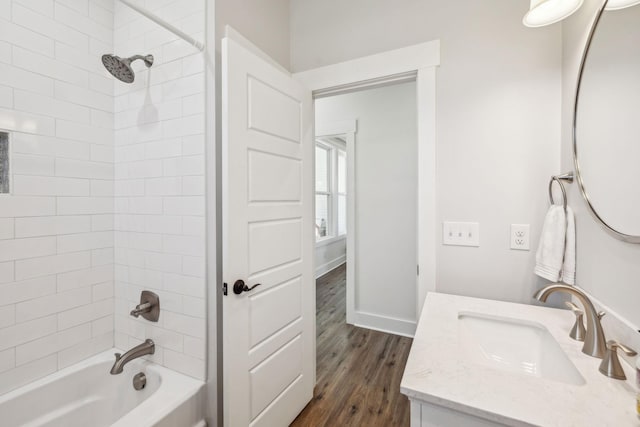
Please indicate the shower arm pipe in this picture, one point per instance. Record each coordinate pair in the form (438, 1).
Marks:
(164, 24)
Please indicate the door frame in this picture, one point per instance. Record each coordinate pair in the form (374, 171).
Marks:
(417, 62)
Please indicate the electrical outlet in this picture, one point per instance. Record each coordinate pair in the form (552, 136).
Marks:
(520, 237)
(461, 233)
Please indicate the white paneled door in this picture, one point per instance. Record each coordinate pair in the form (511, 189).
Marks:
(269, 317)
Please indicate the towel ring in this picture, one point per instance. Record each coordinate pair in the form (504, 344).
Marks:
(559, 178)
(564, 192)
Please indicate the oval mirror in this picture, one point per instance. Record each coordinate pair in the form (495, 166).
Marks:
(606, 128)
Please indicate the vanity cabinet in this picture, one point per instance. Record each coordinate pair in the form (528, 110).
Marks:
(425, 414)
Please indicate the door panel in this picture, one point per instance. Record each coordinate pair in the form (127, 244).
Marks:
(263, 349)
(274, 178)
(265, 387)
(274, 243)
(274, 308)
(269, 331)
(273, 111)
(274, 414)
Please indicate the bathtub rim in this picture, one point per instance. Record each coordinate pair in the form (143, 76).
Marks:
(175, 389)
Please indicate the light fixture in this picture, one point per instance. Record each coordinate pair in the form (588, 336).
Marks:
(547, 12)
(620, 4)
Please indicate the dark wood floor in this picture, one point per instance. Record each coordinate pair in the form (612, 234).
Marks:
(358, 370)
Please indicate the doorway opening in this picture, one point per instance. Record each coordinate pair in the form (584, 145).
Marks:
(366, 253)
(373, 183)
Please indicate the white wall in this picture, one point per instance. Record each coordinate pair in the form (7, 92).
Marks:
(330, 255)
(160, 187)
(385, 200)
(498, 117)
(56, 229)
(606, 267)
(264, 23)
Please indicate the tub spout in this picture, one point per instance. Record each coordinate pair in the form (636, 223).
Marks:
(147, 347)
(594, 341)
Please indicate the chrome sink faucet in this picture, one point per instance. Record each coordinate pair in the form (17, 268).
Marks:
(147, 347)
(594, 342)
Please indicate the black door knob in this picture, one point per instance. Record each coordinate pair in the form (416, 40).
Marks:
(240, 287)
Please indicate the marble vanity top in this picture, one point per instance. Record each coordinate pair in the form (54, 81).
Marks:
(438, 372)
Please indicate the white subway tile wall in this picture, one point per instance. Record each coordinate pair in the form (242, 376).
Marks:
(107, 185)
(56, 228)
(159, 185)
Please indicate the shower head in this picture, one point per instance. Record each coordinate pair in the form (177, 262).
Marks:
(121, 69)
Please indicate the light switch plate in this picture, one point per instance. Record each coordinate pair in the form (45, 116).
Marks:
(520, 237)
(461, 233)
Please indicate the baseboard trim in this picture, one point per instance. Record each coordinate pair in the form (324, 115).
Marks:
(331, 265)
(385, 324)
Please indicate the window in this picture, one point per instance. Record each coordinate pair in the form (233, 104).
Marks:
(331, 188)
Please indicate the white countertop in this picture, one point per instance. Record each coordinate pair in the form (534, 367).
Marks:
(438, 372)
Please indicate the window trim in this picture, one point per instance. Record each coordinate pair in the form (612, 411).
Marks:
(333, 148)
(328, 193)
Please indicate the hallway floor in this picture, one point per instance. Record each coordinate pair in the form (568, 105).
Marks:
(358, 370)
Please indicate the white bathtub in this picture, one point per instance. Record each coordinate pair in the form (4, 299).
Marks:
(86, 394)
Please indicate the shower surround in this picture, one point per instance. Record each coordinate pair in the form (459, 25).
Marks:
(56, 228)
(159, 184)
(97, 195)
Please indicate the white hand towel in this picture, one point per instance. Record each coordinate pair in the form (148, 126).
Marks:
(551, 247)
(569, 265)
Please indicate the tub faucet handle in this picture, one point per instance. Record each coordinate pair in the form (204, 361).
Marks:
(149, 307)
(140, 309)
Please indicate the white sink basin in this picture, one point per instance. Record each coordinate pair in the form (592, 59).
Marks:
(517, 346)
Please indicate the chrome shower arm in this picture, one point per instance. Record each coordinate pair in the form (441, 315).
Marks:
(148, 59)
(164, 24)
